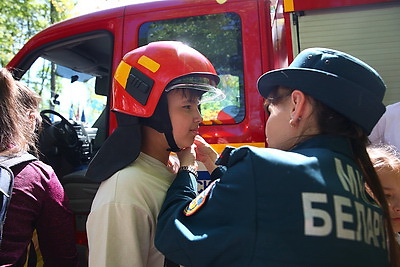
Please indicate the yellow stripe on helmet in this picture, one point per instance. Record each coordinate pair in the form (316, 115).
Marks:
(149, 64)
(122, 73)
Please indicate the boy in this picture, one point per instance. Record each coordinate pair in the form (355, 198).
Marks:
(156, 93)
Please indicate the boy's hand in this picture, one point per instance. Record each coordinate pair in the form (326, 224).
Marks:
(187, 157)
(205, 153)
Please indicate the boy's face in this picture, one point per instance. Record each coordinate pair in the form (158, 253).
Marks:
(390, 181)
(185, 117)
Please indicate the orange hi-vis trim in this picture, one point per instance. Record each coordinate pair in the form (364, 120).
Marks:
(220, 147)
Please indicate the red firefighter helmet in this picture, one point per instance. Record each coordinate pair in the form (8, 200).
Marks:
(146, 72)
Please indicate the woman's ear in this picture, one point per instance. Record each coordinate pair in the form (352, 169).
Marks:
(299, 107)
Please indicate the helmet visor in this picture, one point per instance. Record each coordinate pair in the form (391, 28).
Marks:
(200, 83)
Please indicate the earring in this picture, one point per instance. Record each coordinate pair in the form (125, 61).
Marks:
(293, 123)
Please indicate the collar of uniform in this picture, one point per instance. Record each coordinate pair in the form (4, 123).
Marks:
(338, 144)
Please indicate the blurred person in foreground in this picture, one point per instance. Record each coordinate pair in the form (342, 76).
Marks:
(386, 161)
(38, 202)
(387, 130)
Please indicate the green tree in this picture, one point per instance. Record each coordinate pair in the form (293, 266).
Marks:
(21, 19)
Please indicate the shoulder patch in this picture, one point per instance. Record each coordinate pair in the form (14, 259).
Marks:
(199, 201)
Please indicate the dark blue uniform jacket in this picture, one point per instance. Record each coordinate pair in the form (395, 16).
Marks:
(306, 207)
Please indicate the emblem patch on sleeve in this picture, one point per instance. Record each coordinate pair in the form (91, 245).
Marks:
(199, 201)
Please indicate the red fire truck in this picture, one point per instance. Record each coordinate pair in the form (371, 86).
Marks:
(72, 64)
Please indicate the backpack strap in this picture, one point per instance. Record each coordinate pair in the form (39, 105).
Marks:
(7, 184)
(7, 181)
(6, 174)
(12, 161)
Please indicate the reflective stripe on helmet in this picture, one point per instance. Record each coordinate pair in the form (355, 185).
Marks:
(122, 73)
(149, 64)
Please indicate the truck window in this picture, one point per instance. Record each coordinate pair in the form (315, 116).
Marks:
(219, 38)
(73, 78)
(73, 95)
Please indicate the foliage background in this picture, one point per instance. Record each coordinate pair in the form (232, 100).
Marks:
(21, 19)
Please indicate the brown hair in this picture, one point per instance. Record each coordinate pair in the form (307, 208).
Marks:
(16, 102)
(191, 95)
(28, 103)
(384, 156)
(11, 138)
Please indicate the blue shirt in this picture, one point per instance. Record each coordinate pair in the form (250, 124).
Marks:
(306, 207)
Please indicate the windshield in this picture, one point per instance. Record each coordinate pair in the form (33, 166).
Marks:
(70, 93)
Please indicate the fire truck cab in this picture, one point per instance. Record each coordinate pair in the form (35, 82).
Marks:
(83, 53)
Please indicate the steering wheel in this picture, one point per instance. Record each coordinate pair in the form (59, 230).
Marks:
(64, 131)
